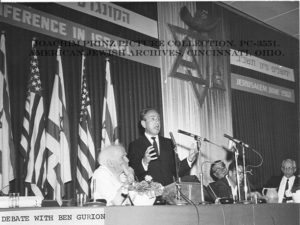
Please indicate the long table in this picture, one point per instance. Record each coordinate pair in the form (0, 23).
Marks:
(237, 214)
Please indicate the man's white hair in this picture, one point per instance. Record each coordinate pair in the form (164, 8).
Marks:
(293, 162)
(109, 153)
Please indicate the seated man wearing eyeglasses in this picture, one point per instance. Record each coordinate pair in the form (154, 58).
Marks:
(218, 170)
(226, 188)
(285, 183)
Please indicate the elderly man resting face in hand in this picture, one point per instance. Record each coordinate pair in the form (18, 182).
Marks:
(113, 176)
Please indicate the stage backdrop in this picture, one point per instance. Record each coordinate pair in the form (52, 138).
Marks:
(268, 125)
(136, 85)
(194, 86)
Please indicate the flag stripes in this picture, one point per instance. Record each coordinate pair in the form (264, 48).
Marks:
(35, 163)
(7, 150)
(57, 137)
(25, 129)
(86, 148)
(33, 135)
(109, 117)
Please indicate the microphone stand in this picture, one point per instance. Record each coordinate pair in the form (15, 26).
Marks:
(202, 200)
(245, 201)
(179, 200)
(245, 176)
(243, 145)
(198, 139)
(236, 155)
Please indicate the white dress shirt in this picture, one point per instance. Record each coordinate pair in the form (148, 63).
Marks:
(107, 185)
(282, 186)
(149, 137)
(234, 190)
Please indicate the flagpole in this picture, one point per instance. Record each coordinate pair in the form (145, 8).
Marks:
(86, 148)
(58, 135)
(6, 140)
(110, 123)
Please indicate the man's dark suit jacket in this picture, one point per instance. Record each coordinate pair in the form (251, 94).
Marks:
(162, 169)
(274, 182)
(222, 189)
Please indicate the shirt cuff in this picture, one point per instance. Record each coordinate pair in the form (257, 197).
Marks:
(145, 166)
(189, 163)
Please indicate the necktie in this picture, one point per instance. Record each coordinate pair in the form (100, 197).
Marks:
(155, 145)
(286, 188)
(287, 184)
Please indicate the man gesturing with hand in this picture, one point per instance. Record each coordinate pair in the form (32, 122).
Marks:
(152, 154)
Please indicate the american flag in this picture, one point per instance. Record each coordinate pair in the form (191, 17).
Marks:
(58, 136)
(109, 117)
(86, 147)
(7, 149)
(33, 133)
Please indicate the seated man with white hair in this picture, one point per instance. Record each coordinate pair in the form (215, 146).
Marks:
(285, 183)
(111, 179)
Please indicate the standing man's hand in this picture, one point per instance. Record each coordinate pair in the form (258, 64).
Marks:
(149, 155)
(193, 153)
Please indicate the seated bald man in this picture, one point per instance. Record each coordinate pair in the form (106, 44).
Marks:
(112, 177)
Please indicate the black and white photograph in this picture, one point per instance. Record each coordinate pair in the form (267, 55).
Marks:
(144, 112)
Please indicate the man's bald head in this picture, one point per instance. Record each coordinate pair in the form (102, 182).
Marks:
(109, 153)
(114, 158)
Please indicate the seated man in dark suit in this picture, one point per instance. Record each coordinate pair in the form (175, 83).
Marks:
(226, 187)
(286, 182)
(154, 155)
(218, 170)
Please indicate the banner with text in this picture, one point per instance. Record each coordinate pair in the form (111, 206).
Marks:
(63, 216)
(254, 63)
(116, 14)
(255, 86)
(41, 22)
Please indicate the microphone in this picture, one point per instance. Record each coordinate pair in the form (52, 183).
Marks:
(192, 135)
(236, 140)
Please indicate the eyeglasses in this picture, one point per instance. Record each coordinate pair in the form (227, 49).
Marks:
(288, 168)
(215, 169)
(239, 172)
(153, 119)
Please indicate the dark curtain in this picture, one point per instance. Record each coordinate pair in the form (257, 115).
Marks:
(136, 86)
(268, 125)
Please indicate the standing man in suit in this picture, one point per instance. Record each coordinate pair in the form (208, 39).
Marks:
(154, 155)
(285, 183)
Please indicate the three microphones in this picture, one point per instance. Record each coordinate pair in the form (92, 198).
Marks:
(197, 137)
